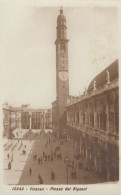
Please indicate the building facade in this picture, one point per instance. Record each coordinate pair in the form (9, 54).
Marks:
(62, 77)
(11, 120)
(36, 118)
(93, 124)
(48, 119)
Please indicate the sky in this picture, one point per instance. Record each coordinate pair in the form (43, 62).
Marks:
(27, 51)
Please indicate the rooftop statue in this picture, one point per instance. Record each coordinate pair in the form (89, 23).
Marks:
(94, 85)
(108, 77)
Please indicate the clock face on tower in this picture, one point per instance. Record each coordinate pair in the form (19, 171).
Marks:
(63, 75)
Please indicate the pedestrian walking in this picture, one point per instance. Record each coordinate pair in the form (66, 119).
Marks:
(9, 165)
(8, 156)
(35, 157)
(71, 174)
(48, 157)
(60, 156)
(52, 175)
(45, 157)
(40, 179)
(30, 171)
(43, 154)
(52, 157)
(38, 160)
(24, 152)
(55, 154)
(41, 160)
(73, 164)
(75, 174)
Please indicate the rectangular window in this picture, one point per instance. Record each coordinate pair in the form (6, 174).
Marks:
(62, 46)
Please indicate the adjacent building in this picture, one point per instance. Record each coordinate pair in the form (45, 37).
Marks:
(36, 118)
(48, 119)
(11, 120)
(93, 123)
(25, 118)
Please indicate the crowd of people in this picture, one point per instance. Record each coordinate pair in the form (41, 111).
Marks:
(55, 153)
(51, 151)
(19, 146)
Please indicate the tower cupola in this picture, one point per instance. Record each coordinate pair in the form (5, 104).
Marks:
(61, 26)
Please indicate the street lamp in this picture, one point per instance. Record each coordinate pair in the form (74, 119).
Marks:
(12, 155)
(30, 122)
(67, 163)
(42, 120)
(51, 149)
(21, 136)
(12, 149)
(67, 173)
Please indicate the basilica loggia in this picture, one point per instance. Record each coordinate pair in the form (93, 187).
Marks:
(93, 123)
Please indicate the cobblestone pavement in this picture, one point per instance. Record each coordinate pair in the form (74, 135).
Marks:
(44, 143)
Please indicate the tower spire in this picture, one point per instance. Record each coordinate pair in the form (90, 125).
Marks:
(61, 10)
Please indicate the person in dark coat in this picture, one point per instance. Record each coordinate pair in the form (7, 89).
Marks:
(40, 179)
(8, 156)
(52, 175)
(73, 164)
(48, 157)
(35, 157)
(38, 160)
(71, 174)
(43, 154)
(75, 174)
(9, 165)
(30, 171)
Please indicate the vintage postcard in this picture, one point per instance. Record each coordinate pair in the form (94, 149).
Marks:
(59, 80)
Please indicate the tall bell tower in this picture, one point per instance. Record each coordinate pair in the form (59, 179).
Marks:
(62, 76)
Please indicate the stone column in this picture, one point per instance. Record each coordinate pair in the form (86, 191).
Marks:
(108, 117)
(99, 121)
(95, 119)
(30, 122)
(86, 157)
(89, 119)
(95, 163)
(114, 129)
(85, 118)
(107, 169)
(80, 147)
(43, 121)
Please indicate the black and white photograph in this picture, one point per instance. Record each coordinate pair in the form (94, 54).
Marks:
(59, 94)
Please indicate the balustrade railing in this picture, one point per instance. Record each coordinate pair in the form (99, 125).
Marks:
(98, 91)
(94, 132)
